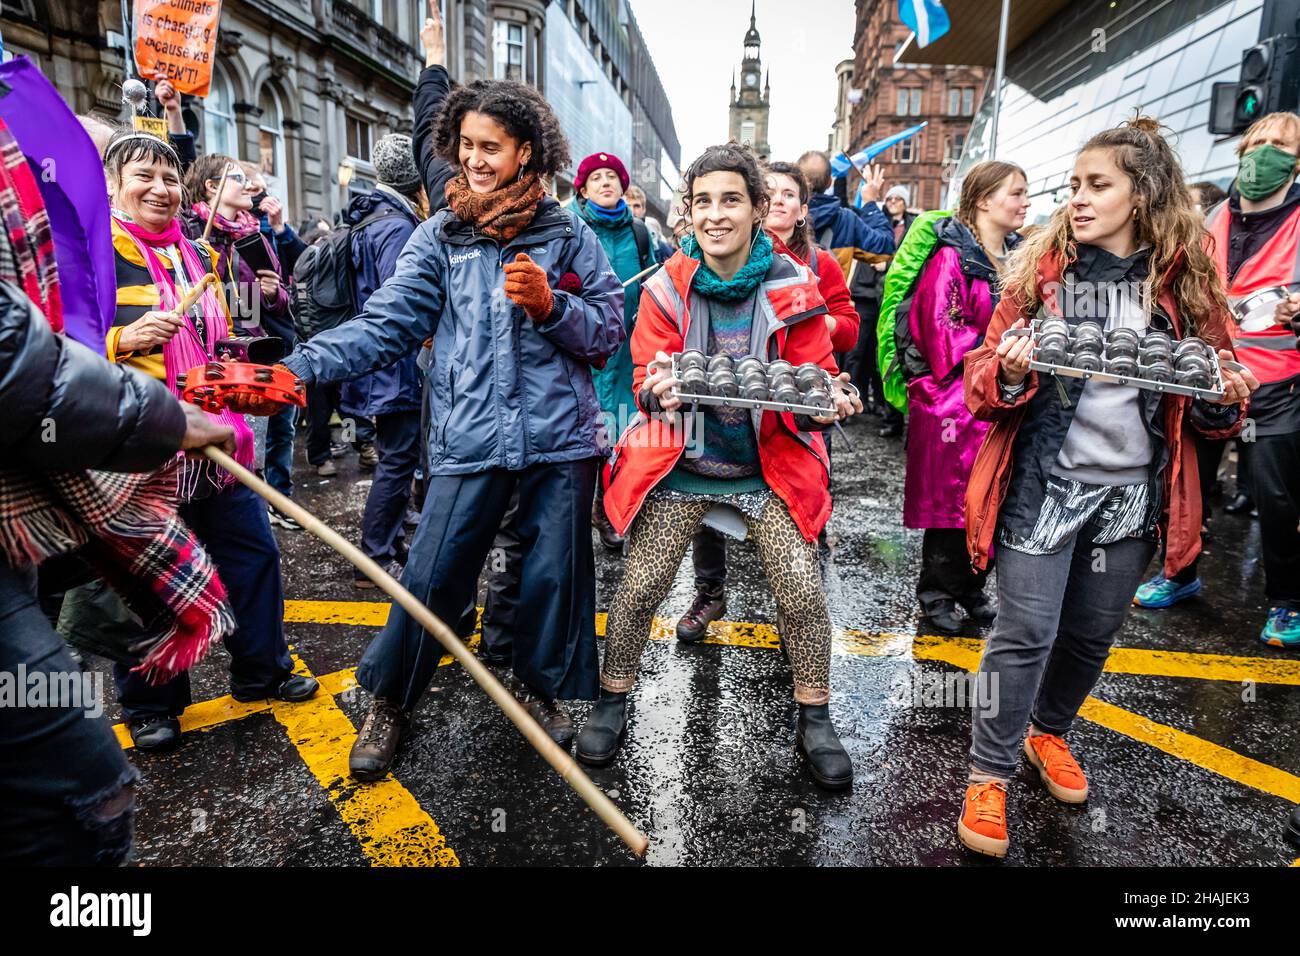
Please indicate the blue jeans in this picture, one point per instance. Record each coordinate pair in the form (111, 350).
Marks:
(279, 450)
(1058, 615)
(66, 789)
(234, 530)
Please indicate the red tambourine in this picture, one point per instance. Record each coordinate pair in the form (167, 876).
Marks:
(213, 386)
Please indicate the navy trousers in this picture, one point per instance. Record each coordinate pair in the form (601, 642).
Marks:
(234, 530)
(554, 646)
(397, 440)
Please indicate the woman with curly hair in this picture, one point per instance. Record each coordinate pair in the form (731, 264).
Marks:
(512, 406)
(1077, 477)
(766, 469)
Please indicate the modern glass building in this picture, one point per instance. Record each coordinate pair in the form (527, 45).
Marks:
(1093, 64)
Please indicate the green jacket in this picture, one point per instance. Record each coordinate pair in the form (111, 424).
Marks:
(904, 269)
(614, 382)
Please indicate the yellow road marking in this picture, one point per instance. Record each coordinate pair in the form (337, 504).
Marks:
(388, 822)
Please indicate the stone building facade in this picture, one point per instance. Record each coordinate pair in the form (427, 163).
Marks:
(750, 108)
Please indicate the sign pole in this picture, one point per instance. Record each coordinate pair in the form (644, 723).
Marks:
(998, 72)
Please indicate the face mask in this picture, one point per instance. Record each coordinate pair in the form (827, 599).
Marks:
(1264, 170)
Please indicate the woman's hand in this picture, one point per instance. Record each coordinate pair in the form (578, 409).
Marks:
(270, 283)
(659, 379)
(873, 181)
(433, 39)
(170, 101)
(1237, 386)
(1287, 309)
(847, 401)
(149, 331)
(1013, 356)
(274, 211)
(202, 430)
(830, 323)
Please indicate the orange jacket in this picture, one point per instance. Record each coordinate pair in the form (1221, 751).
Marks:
(795, 465)
(991, 474)
(835, 291)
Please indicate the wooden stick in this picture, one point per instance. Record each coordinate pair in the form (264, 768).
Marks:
(193, 295)
(212, 213)
(643, 272)
(564, 764)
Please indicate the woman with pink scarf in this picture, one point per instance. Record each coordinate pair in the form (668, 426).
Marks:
(156, 266)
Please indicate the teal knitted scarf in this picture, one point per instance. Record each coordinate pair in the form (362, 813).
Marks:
(745, 281)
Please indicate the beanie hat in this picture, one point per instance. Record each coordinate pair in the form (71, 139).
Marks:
(394, 163)
(600, 161)
(899, 192)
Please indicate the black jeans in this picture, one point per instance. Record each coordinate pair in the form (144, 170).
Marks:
(322, 402)
(862, 364)
(1209, 452)
(1275, 471)
(397, 440)
(66, 789)
(709, 555)
(501, 605)
(946, 572)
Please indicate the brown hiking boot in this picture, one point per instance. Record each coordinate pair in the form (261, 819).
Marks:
(553, 718)
(383, 730)
(704, 610)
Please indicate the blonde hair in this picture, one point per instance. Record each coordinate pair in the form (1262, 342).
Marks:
(980, 183)
(634, 192)
(1166, 220)
(1289, 122)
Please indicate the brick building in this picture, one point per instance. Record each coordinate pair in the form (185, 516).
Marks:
(890, 98)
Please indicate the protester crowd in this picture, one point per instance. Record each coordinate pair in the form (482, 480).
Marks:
(501, 364)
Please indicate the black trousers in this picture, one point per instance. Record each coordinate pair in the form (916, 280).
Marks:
(1275, 470)
(709, 555)
(1209, 452)
(397, 440)
(946, 572)
(861, 363)
(322, 402)
(501, 604)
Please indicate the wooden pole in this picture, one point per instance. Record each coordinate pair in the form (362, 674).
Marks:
(644, 272)
(193, 295)
(221, 186)
(564, 764)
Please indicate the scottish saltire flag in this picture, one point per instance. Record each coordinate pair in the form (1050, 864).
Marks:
(926, 18)
(841, 164)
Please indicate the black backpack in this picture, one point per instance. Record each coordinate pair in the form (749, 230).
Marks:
(324, 279)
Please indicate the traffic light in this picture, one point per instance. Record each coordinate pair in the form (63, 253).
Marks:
(1269, 82)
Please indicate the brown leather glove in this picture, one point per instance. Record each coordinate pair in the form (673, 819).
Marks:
(526, 284)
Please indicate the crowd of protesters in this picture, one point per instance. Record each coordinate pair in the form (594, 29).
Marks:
(501, 363)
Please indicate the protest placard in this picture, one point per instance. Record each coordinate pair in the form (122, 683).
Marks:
(177, 39)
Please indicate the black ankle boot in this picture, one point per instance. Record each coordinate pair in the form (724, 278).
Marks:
(602, 734)
(828, 761)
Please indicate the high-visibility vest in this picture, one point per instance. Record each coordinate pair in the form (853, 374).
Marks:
(1271, 354)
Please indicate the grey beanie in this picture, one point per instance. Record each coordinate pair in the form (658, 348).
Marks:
(395, 163)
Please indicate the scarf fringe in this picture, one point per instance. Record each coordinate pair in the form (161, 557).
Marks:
(183, 645)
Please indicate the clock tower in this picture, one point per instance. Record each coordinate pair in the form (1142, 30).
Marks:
(749, 106)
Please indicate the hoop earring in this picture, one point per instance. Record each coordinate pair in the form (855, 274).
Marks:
(1135, 213)
(801, 222)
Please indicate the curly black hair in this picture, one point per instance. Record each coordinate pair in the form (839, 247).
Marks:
(729, 158)
(520, 110)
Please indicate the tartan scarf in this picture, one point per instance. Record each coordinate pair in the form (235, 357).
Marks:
(501, 214)
(124, 526)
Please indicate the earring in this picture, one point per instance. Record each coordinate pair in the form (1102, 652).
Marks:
(800, 223)
(1135, 213)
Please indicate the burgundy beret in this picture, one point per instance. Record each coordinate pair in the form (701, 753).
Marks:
(600, 161)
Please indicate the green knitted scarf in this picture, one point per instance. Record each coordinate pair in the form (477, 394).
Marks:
(745, 281)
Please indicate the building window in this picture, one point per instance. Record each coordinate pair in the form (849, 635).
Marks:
(747, 132)
(358, 139)
(377, 10)
(219, 117)
(909, 101)
(270, 134)
(905, 152)
(961, 101)
(953, 146)
(508, 51)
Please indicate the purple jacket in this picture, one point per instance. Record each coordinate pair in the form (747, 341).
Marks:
(951, 307)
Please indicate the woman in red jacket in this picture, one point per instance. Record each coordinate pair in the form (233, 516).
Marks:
(788, 226)
(768, 469)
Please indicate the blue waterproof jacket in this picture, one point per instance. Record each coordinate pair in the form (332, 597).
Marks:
(504, 391)
(375, 249)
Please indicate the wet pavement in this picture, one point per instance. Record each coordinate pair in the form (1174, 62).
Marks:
(1189, 742)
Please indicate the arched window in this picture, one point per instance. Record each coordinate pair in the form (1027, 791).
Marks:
(219, 117)
(270, 134)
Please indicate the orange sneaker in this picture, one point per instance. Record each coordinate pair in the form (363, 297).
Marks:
(1061, 773)
(983, 823)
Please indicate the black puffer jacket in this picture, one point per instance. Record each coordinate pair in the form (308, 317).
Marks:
(67, 409)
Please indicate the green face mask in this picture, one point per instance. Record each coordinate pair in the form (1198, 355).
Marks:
(1264, 170)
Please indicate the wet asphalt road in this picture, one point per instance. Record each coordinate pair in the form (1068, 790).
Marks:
(709, 770)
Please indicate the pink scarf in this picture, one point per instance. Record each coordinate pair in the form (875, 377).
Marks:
(244, 223)
(186, 350)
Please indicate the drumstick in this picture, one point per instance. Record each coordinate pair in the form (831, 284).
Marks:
(193, 295)
(207, 230)
(643, 272)
(564, 764)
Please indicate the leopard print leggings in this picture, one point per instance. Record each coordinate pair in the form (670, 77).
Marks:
(656, 543)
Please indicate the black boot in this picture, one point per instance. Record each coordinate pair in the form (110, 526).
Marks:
(155, 734)
(602, 734)
(1293, 828)
(1240, 504)
(704, 610)
(942, 616)
(980, 611)
(611, 539)
(828, 761)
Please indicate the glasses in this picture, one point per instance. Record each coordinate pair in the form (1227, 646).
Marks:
(231, 177)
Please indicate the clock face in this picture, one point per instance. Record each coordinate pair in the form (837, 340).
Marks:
(751, 79)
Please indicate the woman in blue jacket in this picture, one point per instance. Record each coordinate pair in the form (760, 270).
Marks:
(512, 406)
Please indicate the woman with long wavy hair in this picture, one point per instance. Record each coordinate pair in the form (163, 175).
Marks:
(1077, 479)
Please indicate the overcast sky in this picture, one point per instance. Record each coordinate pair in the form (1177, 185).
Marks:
(696, 44)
